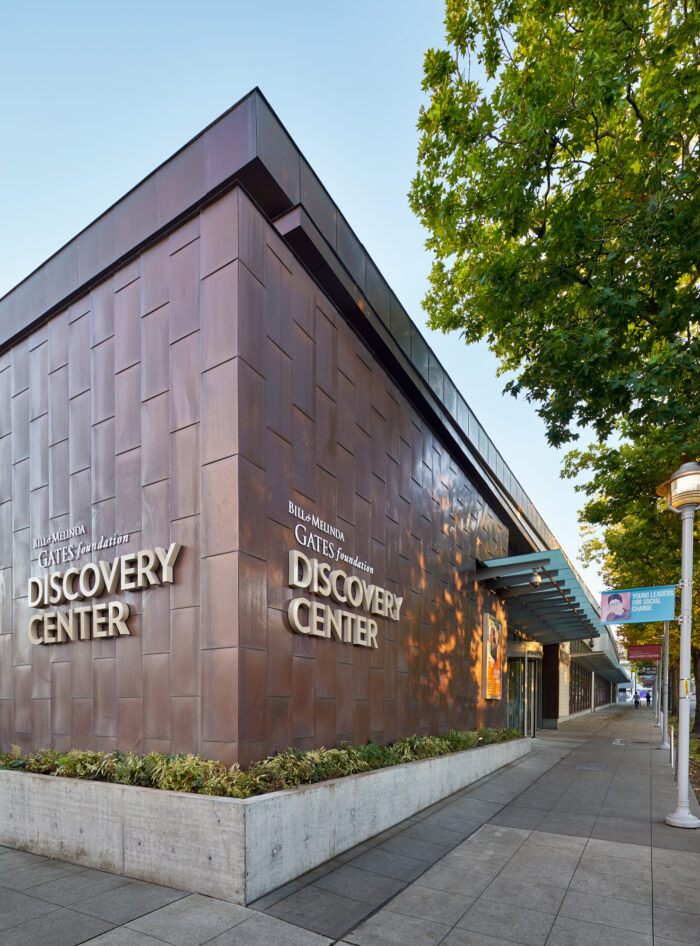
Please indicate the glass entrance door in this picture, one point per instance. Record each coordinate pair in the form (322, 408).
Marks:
(516, 691)
(533, 707)
(524, 694)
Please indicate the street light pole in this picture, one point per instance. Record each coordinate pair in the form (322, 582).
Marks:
(682, 494)
(657, 698)
(658, 686)
(664, 739)
(681, 817)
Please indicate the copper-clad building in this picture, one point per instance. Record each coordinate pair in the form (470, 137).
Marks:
(216, 363)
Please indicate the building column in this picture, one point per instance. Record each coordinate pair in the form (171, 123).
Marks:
(550, 686)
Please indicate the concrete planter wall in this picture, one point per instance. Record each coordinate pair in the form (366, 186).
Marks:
(228, 848)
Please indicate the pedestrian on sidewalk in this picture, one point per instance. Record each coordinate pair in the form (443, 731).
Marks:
(648, 698)
(636, 700)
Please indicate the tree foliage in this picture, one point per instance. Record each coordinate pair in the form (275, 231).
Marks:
(636, 541)
(558, 178)
(562, 201)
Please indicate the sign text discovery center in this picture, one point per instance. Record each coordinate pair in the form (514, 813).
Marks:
(241, 508)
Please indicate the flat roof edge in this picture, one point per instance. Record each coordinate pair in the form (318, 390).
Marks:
(249, 145)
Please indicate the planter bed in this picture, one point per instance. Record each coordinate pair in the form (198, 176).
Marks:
(233, 849)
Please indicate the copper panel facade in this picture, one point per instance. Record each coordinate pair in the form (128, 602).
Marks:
(205, 394)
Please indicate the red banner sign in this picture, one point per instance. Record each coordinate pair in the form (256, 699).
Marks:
(644, 652)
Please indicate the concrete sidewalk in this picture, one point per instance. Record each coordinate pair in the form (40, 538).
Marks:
(566, 846)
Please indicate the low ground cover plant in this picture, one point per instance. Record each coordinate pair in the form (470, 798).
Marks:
(288, 769)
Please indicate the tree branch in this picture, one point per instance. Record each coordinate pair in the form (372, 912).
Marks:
(630, 99)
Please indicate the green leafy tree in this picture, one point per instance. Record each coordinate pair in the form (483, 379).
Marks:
(558, 178)
(635, 540)
(562, 200)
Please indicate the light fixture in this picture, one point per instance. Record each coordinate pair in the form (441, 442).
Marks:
(682, 495)
(683, 488)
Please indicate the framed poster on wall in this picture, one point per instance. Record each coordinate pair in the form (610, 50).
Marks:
(492, 655)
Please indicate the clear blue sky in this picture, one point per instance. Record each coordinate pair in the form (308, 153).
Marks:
(94, 95)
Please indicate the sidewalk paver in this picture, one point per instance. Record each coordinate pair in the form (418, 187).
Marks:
(566, 847)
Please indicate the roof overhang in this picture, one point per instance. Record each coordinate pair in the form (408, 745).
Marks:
(604, 665)
(559, 609)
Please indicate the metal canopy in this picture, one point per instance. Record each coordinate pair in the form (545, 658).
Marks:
(603, 659)
(559, 609)
(604, 665)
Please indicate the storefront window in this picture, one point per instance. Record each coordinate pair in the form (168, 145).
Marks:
(602, 692)
(579, 688)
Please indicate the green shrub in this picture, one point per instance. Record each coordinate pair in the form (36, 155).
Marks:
(80, 763)
(411, 748)
(289, 769)
(43, 761)
(178, 772)
(376, 756)
(132, 769)
(13, 759)
(334, 763)
(458, 741)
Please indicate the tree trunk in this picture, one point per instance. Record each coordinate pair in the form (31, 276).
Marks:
(672, 691)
